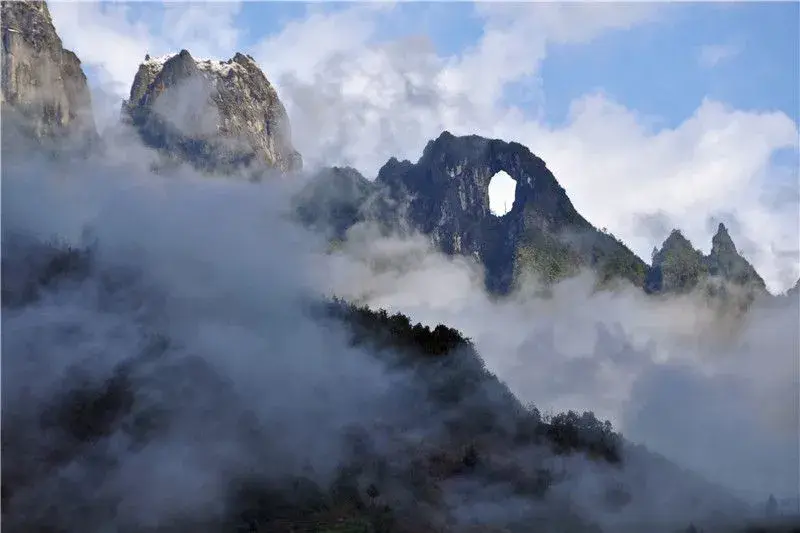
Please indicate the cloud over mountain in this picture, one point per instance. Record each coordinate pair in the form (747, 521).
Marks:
(171, 358)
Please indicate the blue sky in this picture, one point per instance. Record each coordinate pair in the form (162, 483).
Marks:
(654, 69)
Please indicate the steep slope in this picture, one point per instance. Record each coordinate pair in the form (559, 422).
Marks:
(44, 89)
(217, 115)
(679, 268)
(445, 195)
(725, 261)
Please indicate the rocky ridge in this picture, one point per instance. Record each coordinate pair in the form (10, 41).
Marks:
(44, 89)
(445, 195)
(217, 115)
(680, 268)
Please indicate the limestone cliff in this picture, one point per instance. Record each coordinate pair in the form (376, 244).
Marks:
(216, 115)
(44, 88)
(446, 197)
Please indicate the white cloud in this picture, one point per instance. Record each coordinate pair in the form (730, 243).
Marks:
(712, 55)
(659, 370)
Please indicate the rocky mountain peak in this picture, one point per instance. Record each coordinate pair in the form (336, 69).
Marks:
(214, 114)
(721, 242)
(676, 241)
(446, 196)
(726, 261)
(679, 267)
(44, 89)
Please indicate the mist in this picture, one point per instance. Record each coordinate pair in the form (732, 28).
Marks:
(716, 392)
(202, 287)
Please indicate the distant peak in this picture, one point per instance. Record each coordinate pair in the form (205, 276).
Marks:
(722, 242)
(239, 57)
(676, 238)
(722, 231)
(444, 139)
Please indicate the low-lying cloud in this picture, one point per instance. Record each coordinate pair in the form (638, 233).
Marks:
(201, 288)
(717, 393)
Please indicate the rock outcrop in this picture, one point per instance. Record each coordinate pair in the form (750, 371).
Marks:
(446, 196)
(679, 268)
(726, 262)
(217, 115)
(44, 89)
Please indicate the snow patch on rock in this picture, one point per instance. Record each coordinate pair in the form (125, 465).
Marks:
(207, 65)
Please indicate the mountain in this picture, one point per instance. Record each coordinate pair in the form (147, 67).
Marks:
(44, 89)
(679, 268)
(445, 195)
(726, 262)
(218, 115)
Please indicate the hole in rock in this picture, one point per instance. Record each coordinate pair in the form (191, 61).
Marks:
(502, 191)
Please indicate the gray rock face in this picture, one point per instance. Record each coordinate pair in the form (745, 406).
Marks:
(446, 196)
(44, 88)
(726, 262)
(216, 115)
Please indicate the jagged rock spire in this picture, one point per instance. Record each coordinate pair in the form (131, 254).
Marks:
(213, 114)
(722, 242)
(679, 267)
(44, 89)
